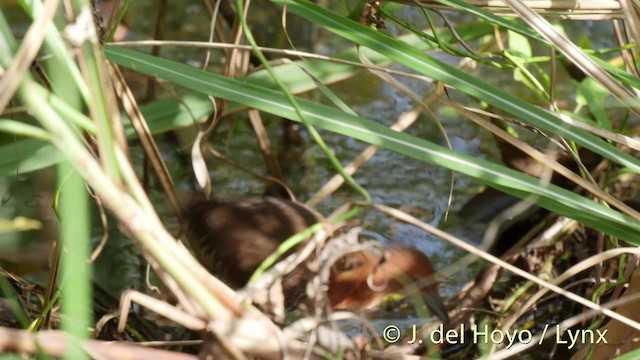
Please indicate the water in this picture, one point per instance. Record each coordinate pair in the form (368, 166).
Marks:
(395, 180)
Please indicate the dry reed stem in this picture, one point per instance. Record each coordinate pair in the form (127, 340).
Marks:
(404, 217)
(565, 9)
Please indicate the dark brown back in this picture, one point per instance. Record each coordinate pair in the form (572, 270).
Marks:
(232, 237)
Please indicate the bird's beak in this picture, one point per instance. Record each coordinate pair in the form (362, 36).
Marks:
(435, 304)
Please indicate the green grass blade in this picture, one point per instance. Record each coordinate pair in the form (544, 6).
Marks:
(552, 197)
(416, 60)
(26, 155)
(76, 269)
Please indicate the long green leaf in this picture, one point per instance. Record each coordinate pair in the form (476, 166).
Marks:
(551, 197)
(525, 30)
(169, 114)
(26, 155)
(76, 269)
(416, 60)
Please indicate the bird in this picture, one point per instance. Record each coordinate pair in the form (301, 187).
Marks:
(370, 278)
(232, 237)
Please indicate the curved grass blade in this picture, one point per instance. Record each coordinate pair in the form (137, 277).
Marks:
(26, 155)
(551, 197)
(416, 60)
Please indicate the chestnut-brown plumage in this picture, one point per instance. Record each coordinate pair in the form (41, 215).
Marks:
(231, 238)
(368, 278)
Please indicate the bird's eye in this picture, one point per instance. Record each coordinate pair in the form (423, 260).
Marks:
(349, 262)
